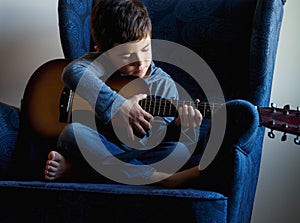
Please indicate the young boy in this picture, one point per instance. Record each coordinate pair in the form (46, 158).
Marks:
(121, 31)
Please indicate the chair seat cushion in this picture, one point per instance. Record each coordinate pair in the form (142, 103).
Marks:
(78, 202)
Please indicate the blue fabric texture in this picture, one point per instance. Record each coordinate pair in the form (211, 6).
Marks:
(74, 21)
(9, 126)
(238, 40)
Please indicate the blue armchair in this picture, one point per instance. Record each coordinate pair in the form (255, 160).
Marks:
(238, 40)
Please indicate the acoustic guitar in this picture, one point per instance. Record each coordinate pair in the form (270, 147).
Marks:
(47, 104)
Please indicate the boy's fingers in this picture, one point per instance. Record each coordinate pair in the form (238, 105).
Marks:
(130, 132)
(191, 116)
(139, 97)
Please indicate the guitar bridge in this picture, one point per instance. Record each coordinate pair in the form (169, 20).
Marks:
(65, 105)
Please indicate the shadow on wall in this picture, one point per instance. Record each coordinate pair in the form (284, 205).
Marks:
(29, 37)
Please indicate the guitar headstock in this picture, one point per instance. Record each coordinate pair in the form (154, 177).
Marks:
(281, 119)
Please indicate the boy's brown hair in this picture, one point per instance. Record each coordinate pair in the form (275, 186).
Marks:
(119, 21)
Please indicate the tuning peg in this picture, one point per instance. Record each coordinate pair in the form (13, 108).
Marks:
(286, 109)
(271, 134)
(285, 126)
(272, 122)
(284, 137)
(298, 112)
(297, 140)
(273, 106)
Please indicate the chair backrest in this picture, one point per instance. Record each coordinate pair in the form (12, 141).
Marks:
(237, 39)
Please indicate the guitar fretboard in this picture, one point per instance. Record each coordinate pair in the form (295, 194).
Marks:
(169, 108)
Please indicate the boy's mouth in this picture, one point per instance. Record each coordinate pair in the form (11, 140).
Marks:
(140, 70)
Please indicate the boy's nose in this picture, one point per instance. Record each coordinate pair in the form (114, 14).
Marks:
(138, 58)
(138, 63)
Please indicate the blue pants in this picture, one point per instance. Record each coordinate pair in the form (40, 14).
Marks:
(95, 156)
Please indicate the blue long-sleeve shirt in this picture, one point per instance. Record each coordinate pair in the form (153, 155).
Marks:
(87, 76)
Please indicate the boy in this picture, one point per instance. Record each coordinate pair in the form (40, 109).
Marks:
(121, 31)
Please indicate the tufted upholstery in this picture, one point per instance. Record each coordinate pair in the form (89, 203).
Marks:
(238, 39)
(9, 126)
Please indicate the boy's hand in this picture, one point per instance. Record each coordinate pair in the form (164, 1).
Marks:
(189, 117)
(134, 117)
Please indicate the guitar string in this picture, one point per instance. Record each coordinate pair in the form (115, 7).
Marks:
(157, 103)
(154, 105)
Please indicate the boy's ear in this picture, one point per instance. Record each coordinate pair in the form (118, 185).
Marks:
(98, 49)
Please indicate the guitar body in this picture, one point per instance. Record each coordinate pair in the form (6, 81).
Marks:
(47, 105)
(41, 99)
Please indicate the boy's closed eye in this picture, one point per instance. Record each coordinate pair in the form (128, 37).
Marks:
(126, 55)
(129, 55)
(146, 48)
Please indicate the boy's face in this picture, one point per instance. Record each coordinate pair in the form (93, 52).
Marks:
(133, 58)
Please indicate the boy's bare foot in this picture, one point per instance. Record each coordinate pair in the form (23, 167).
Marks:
(57, 166)
(179, 179)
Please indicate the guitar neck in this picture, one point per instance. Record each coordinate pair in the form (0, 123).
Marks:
(169, 108)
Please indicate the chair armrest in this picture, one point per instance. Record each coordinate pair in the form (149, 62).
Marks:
(9, 126)
(234, 170)
(242, 124)
(241, 131)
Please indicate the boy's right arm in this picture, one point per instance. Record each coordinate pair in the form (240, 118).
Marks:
(84, 79)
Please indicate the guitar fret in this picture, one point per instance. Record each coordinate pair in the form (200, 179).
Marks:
(142, 104)
(149, 105)
(159, 107)
(154, 106)
(170, 107)
(165, 104)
